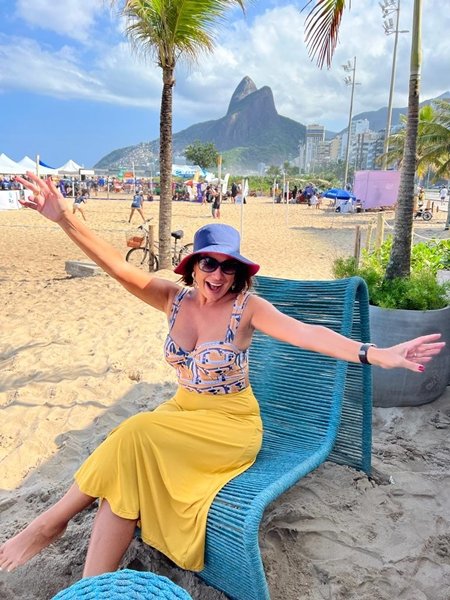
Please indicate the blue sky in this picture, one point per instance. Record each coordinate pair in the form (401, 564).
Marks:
(71, 88)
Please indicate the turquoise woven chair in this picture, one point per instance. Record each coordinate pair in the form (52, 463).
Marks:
(314, 408)
(123, 585)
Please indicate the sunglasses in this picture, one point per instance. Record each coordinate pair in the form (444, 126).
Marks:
(208, 264)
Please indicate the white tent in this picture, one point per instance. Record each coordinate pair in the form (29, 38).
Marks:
(70, 168)
(10, 167)
(30, 165)
(186, 171)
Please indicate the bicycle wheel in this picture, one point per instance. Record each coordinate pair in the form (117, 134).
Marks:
(141, 257)
(185, 251)
(427, 215)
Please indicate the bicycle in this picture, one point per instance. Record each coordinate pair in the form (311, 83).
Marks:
(425, 213)
(142, 255)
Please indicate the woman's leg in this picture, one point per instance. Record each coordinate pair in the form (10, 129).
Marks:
(111, 536)
(131, 215)
(141, 212)
(44, 530)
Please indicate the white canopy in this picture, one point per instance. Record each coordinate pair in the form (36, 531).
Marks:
(9, 166)
(186, 171)
(30, 165)
(71, 168)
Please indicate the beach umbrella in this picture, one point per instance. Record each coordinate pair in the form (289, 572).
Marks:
(338, 194)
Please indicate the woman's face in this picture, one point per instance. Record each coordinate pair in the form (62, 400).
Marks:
(211, 280)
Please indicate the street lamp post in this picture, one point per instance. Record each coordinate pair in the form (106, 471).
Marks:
(389, 7)
(349, 80)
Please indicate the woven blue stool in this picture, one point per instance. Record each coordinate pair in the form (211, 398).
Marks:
(124, 585)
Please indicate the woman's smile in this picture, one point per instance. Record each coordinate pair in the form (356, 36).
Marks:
(214, 287)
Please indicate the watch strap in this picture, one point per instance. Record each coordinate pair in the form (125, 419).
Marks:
(362, 354)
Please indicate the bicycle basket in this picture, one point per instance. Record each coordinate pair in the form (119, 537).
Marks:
(135, 238)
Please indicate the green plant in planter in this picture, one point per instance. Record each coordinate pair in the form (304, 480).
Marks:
(419, 291)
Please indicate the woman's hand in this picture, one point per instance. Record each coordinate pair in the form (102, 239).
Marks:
(412, 355)
(46, 199)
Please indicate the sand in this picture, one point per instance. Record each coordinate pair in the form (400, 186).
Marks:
(78, 355)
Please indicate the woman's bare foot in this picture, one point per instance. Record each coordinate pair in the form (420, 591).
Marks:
(38, 535)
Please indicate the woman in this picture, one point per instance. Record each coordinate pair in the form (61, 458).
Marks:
(136, 204)
(215, 208)
(161, 470)
(79, 200)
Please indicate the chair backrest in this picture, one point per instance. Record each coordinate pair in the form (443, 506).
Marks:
(307, 398)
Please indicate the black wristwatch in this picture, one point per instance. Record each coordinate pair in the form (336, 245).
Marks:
(362, 354)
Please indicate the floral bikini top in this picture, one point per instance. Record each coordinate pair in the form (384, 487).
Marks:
(211, 367)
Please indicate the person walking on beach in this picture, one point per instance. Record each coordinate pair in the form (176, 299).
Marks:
(314, 201)
(206, 196)
(216, 202)
(162, 469)
(443, 197)
(136, 204)
(79, 201)
(234, 192)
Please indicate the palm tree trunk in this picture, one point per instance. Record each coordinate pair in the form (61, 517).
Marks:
(165, 169)
(400, 259)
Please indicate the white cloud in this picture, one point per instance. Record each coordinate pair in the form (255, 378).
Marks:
(271, 50)
(72, 18)
(93, 63)
(114, 78)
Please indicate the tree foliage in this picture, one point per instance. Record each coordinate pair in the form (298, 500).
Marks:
(433, 140)
(420, 291)
(203, 154)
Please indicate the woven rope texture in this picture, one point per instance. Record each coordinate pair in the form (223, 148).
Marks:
(124, 585)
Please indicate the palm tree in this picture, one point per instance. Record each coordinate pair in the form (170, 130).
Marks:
(322, 29)
(396, 142)
(433, 142)
(435, 138)
(169, 30)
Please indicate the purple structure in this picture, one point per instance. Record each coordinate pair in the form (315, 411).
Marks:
(376, 188)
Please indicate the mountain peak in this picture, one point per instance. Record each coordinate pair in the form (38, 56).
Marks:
(245, 88)
(252, 131)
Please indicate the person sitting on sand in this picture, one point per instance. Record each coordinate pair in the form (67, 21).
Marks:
(162, 469)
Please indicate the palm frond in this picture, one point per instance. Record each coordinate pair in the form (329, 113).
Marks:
(322, 29)
(176, 28)
(434, 138)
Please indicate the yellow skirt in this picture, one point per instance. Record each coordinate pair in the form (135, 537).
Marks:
(165, 467)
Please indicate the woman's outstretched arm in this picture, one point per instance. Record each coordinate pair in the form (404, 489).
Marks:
(412, 354)
(49, 202)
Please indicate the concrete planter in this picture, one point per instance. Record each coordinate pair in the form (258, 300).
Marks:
(398, 387)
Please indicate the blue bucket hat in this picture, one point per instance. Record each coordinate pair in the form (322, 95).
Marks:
(219, 238)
